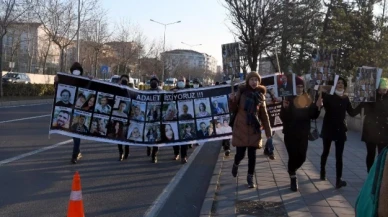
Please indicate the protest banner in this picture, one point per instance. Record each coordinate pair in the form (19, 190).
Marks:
(365, 84)
(231, 59)
(273, 103)
(107, 112)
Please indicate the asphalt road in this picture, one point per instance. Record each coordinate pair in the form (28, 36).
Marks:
(40, 184)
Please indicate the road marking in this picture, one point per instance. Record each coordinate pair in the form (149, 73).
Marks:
(15, 106)
(23, 119)
(158, 204)
(9, 160)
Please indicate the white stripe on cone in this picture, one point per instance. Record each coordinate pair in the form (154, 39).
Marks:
(76, 195)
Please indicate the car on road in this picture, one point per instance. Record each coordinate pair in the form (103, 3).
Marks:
(14, 78)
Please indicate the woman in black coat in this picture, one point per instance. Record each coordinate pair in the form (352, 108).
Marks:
(334, 127)
(296, 127)
(375, 127)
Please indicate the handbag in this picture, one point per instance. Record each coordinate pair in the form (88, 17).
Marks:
(313, 134)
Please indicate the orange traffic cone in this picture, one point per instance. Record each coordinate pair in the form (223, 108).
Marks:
(76, 206)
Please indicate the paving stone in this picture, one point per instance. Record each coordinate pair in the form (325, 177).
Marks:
(343, 211)
(320, 209)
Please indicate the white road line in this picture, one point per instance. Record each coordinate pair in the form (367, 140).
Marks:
(158, 204)
(15, 106)
(9, 160)
(23, 119)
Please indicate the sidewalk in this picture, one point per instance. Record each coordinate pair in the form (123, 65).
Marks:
(228, 196)
(25, 102)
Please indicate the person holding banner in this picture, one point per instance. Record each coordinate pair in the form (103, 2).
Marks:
(296, 114)
(249, 107)
(334, 127)
(374, 131)
(117, 132)
(154, 86)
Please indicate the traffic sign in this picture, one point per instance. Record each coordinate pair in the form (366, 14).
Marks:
(105, 69)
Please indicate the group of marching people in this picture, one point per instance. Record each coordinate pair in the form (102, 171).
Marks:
(179, 151)
(251, 116)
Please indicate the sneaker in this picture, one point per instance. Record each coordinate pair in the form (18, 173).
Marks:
(250, 181)
(74, 159)
(154, 160)
(176, 157)
(272, 157)
(227, 153)
(184, 160)
(121, 157)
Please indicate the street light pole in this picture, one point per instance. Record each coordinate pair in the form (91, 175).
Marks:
(79, 28)
(164, 37)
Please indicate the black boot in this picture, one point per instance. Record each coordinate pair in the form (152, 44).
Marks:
(340, 183)
(234, 170)
(294, 183)
(227, 153)
(323, 175)
(250, 181)
(121, 157)
(148, 151)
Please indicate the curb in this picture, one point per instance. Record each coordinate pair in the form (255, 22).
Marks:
(211, 194)
(25, 102)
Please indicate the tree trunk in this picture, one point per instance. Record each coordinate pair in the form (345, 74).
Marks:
(62, 59)
(1, 66)
(285, 35)
(45, 57)
(95, 63)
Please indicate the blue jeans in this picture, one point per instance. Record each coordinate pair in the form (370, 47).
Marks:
(76, 149)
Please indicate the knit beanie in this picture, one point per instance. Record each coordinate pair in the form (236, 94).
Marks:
(384, 83)
(299, 81)
(252, 75)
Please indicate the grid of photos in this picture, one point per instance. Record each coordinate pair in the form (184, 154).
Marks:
(286, 85)
(65, 96)
(323, 66)
(85, 99)
(365, 85)
(106, 115)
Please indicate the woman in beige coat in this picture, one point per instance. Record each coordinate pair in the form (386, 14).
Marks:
(248, 104)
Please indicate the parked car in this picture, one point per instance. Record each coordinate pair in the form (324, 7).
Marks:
(12, 77)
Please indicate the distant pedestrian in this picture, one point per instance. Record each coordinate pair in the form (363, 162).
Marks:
(123, 154)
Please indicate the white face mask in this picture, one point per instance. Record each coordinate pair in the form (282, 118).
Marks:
(339, 92)
(76, 72)
(181, 84)
(195, 85)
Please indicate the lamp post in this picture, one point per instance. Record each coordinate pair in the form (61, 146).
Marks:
(190, 45)
(164, 37)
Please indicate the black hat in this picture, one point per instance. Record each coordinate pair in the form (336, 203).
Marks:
(196, 81)
(154, 79)
(76, 66)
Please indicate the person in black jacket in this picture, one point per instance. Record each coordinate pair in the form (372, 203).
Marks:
(375, 127)
(296, 117)
(181, 84)
(154, 86)
(334, 127)
(123, 154)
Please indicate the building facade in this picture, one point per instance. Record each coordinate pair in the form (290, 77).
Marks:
(180, 60)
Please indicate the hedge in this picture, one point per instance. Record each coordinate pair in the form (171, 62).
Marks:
(28, 89)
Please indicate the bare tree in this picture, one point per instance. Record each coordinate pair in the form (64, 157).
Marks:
(10, 12)
(60, 21)
(254, 24)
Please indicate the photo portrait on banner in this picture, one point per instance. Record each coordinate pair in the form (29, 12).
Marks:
(65, 96)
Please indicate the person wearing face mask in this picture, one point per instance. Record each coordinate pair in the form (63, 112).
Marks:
(154, 86)
(334, 127)
(374, 131)
(296, 113)
(123, 154)
(181, 84)
(75, 69)
(196, 83)
(248, 105)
